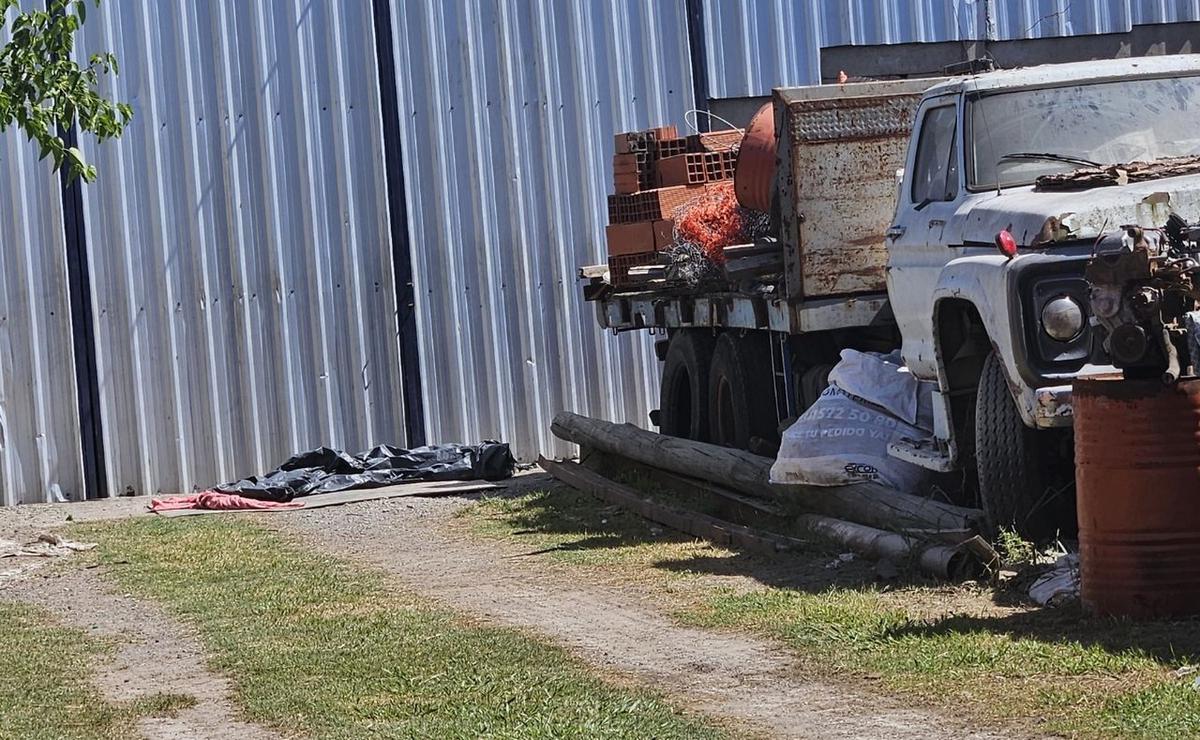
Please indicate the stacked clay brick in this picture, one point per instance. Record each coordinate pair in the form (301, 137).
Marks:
(655, 172)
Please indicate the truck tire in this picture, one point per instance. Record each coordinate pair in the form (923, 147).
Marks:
(741, 393)
(683, 398)
(1011, 481)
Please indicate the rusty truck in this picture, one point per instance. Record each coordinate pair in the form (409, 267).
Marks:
(952, 218)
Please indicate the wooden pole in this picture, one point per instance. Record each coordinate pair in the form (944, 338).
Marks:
(937, 559)
(868, 504)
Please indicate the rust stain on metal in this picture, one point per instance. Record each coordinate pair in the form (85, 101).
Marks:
(754, 175)
(1137, 452)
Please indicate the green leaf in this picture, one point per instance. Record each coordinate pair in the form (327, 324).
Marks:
(43, 89)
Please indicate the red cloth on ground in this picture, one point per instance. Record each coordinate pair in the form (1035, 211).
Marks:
(215, 500)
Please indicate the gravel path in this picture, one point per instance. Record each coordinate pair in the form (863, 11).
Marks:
(619, 629)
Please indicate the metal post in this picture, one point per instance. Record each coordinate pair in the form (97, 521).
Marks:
(699, 60)
(83, 336)
(406, 316)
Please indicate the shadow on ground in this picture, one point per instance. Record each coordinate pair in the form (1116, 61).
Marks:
(539, 508)
(1168, 642)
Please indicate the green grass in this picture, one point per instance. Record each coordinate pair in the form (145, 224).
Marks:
(315, 646)
(573, 527)
(47, 689)
(1069, 677)
(1014, 549)
(957, 648)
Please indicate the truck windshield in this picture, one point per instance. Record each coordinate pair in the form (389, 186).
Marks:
(1107, 123)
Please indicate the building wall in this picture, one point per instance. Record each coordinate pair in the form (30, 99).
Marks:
(755, 46)
(508, 114)
(242, 273)
(39, 420)
(241, 265)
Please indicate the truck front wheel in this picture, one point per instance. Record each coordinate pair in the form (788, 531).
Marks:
(1011, 477)
(683, 399)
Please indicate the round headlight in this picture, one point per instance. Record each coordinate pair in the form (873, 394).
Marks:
(1062, 318)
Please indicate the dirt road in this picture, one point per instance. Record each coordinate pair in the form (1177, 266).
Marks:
(620, 629)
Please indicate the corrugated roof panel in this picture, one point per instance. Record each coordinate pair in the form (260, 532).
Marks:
(39, 419)
(508, 114)
(241, 266)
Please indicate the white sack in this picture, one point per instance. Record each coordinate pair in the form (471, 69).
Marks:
(843, 438)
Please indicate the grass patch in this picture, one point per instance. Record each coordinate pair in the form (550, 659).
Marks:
(315, 646)
(48, 689)
(1014, 549)
(954, 648)
(1090, 678)
(163, 704)
(573, 527)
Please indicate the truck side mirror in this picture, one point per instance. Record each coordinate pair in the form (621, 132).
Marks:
(898, 189)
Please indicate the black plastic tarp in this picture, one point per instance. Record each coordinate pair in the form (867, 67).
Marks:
(324, 470)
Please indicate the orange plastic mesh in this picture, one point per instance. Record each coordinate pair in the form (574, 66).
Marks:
(713, 221)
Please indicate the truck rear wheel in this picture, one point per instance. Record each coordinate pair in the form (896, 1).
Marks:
(741, 392)
(683, 399)
(1011, 480)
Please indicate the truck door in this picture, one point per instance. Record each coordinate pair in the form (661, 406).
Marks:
(929, 195)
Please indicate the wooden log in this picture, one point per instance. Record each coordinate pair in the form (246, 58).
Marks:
(716, 531)
(940, 560)
(703, 495)
(868, 504)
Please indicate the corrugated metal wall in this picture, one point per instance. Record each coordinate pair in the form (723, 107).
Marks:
(508, 112)
(241, 265)
(242, 272)
(39, 420)
(754, 46)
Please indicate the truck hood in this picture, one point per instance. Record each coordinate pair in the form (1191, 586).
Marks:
(1038, 218)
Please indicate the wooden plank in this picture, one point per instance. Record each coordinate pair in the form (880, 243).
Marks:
(759, 264)
(752, 250)
(357, 495)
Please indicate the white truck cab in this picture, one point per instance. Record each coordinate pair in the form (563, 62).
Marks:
(985, 269)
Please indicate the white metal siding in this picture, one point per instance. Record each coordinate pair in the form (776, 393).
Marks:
(508, 114)
(39, 419)
(755, 46)
(241, 265)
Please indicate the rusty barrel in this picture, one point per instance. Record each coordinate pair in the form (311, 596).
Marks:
(754, 175)
(1137, 473)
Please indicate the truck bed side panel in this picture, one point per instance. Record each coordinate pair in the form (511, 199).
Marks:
(840, 148)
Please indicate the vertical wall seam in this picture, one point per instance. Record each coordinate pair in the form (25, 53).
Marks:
(397, 201)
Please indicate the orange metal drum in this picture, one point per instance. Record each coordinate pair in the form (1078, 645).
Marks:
(1137, 472)
(754, 177)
